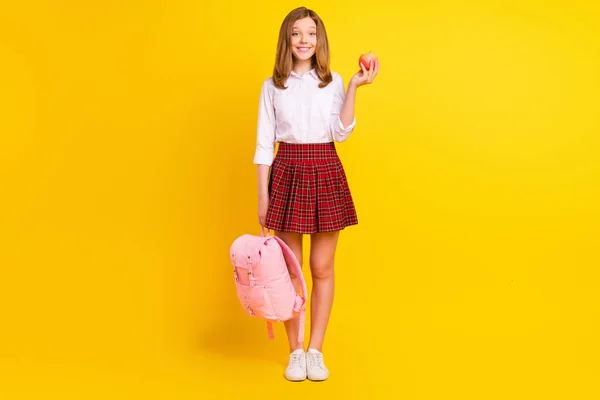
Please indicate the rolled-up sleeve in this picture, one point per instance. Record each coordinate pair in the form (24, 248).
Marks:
(336, 127)
(265, 135)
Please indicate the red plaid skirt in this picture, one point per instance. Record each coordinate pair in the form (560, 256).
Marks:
(308, 190)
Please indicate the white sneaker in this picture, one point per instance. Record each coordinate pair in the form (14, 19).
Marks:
(316, 369)
(296, 369)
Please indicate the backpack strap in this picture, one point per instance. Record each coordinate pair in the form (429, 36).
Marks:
(270, 330)
(295, 265)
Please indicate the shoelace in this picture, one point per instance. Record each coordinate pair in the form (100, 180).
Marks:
(315, 360)
(296, 361)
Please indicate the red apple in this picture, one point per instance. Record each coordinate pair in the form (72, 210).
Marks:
(365, 59)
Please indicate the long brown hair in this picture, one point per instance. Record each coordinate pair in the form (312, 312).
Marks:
(284, 60)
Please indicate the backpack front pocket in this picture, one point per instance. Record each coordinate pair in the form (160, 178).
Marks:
(252, 298)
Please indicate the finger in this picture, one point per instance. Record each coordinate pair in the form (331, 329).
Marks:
(373, 72)
(364, 70)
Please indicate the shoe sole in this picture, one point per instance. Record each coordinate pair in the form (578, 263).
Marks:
(295, 380)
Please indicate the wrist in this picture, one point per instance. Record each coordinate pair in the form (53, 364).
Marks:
(351, 88)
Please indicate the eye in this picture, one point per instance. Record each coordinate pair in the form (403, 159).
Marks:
(295, 33)
(314, 33)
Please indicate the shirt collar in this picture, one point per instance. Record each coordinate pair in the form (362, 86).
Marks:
(312, 72)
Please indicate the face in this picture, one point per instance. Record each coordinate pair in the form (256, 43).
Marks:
(304, 39)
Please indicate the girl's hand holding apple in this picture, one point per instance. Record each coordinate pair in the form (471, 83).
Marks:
(369, 67)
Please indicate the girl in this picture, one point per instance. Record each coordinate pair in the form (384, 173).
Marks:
(303, 190)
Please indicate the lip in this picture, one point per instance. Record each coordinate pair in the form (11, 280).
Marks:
(303, 48)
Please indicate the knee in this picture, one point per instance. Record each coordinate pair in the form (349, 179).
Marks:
(321, 268)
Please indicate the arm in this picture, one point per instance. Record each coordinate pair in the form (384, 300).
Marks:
(265, 138)
(342, 121)
(347, 114)
(265, 148)
(345, 120)
(263, 181)
(265, 132)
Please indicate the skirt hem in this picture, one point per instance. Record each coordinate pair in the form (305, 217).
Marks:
(310, 231)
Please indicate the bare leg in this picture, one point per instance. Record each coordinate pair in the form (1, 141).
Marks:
(322, 254)
(294, 242)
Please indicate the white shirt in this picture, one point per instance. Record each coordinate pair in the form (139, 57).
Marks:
(302, 113)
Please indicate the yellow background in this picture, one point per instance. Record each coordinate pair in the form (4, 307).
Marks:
(127, 134)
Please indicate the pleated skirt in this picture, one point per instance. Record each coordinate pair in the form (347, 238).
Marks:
(308, 190)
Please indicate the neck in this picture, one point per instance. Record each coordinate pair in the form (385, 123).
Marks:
(301, 67)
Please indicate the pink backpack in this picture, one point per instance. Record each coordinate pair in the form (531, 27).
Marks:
(262, 280)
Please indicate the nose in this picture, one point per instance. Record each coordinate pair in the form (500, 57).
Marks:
(303, 39)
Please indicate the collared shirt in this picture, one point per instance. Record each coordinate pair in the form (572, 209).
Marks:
(302, 113)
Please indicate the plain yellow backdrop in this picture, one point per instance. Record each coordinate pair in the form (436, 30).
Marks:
(127, 131)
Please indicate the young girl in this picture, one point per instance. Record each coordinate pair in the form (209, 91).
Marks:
(303, 190)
